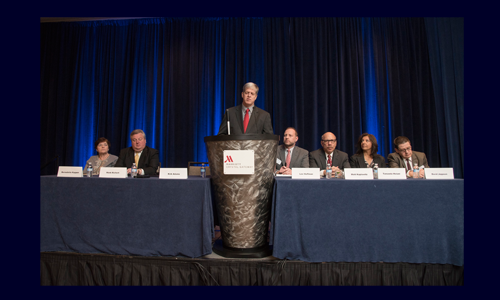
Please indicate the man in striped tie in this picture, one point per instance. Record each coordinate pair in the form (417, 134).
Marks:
(247, 118)
(404, 157)
(337, 159)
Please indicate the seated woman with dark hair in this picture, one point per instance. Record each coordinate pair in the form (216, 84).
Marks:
(102, 159)
(366, 155)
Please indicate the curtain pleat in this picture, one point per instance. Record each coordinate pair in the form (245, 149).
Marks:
(174, 78)
(110, 270)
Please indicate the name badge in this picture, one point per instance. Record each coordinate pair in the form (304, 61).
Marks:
(238, 162)
(70, 172)
(108, 172)
(392, 173)
(305, 173)
(173, 173)
(439, 173)
(358, 173)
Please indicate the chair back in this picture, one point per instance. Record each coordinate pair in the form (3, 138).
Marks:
(194, 168)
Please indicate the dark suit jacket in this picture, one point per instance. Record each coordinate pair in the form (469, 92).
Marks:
(358, 161)
(396, 161)
(317, 159)
(148, 161)
(259, 122)
(299, 159)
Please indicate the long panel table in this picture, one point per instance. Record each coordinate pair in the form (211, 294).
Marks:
(336, 220)
(146, 216)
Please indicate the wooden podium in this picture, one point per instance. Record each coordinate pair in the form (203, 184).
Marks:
(243, 202)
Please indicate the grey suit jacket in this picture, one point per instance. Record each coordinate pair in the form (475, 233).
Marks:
(317, 159)
(97, 164)
(299, 159)
(396, 161)
(259, 123)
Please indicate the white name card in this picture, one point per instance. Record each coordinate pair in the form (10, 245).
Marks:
(283, 175)
(305, 173)
(108, 172)
(239, 162)
(173, 173)
(70, 172)
(358, 173)
(439, 173)
(391, 173)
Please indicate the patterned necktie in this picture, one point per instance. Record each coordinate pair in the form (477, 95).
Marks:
(245, 121)
(329, 159)
(288, 158)
(136, 159)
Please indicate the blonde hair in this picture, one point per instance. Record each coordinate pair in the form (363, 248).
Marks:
(136, 132)
(251, 85)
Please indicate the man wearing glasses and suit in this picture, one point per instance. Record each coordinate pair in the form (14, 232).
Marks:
(290, 156)
(406, 158)
(328, 154)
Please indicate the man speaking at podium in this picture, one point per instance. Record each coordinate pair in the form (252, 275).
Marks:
(246, 117)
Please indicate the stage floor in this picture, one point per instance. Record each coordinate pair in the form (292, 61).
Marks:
(214, 255)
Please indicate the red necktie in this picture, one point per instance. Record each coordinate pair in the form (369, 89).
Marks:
(245, 121)
(408, 164)
(288, 158)
(329, 159)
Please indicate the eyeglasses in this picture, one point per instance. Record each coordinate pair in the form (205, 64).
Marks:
(329, 141)
(405, 150)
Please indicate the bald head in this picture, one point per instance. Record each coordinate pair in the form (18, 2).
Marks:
(329, 142)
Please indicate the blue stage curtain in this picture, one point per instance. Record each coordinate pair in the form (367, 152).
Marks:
(446, 53)
(174, 78)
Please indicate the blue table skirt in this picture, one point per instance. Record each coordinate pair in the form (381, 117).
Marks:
(147, 217)
(413, 220)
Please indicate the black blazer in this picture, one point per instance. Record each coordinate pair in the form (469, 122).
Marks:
(358, 161)
(148, 162)
(317, 159)
(259, 123)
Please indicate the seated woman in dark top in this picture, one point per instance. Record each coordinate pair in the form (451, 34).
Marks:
(366, 155)
(102, 159)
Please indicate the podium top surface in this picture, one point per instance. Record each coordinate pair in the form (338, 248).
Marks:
(241, 137)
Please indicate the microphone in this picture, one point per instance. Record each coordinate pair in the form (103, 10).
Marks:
(228, 123)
